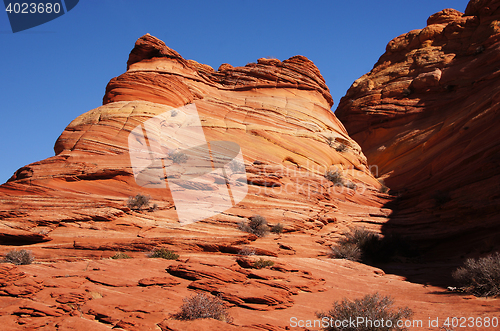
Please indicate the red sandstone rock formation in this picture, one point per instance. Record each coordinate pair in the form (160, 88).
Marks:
(71, 209)
(427, 115)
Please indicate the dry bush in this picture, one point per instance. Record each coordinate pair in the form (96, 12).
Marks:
(247, 251)
(335, 177)
(261, 263)
(257, 225)
(21, 257)
(120, 255)
(138, 202)
(202, 305)
(163, 253)
(480, 277)
(341, 148)
(372, 307)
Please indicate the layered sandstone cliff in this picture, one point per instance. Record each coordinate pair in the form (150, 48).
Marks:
(427, 115)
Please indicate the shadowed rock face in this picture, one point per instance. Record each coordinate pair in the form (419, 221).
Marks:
(427, 115)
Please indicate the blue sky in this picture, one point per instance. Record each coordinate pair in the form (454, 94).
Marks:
(52, 73)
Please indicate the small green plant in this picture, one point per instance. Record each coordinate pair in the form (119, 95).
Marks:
(277, 228)
(22, 257)
(202, 305)
(256, 225)
(372, 307)
(120, 255)
(480, 277)
(261, 263)
(138, 202)
(163, 253)
(178, 157)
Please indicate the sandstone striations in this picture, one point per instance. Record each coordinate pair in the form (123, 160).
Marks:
(427, 116)
(73, 206)
(71, 209)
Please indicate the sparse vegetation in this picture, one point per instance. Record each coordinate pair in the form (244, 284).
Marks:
(163, 253)
(341, 148)
(120, 255)
(138, 202)
(362, 244)
(441, 197)
(247, 251)
(202, 305)
(406, 92)
(257, 225)
(261, 263)
(237, 167)
(372, 307)
(178, 157)
(383, 188)
(330, 141)
(21, 257)
(480, 277)
(154, 207)
(335, 177)
(346, 250)
(277, 228)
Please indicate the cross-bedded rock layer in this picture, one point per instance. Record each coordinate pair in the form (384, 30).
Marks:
(427, 115)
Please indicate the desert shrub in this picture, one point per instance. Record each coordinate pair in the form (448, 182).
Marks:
(330, 141)
(138, 202)
(120, 255)
(178, 157)
(257, 225)
(277, 228)
(335, 177)
(346, 250)
(372, 307)
(261, 263)
(407, 92)
(341, 148)
(163, 253)
(202, 305)
(480, 277)
(247, 251)
(362, 244)
(21, 257)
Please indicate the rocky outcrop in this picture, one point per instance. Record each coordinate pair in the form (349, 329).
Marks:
(427, 117)
(71, 210)
(73, 206)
